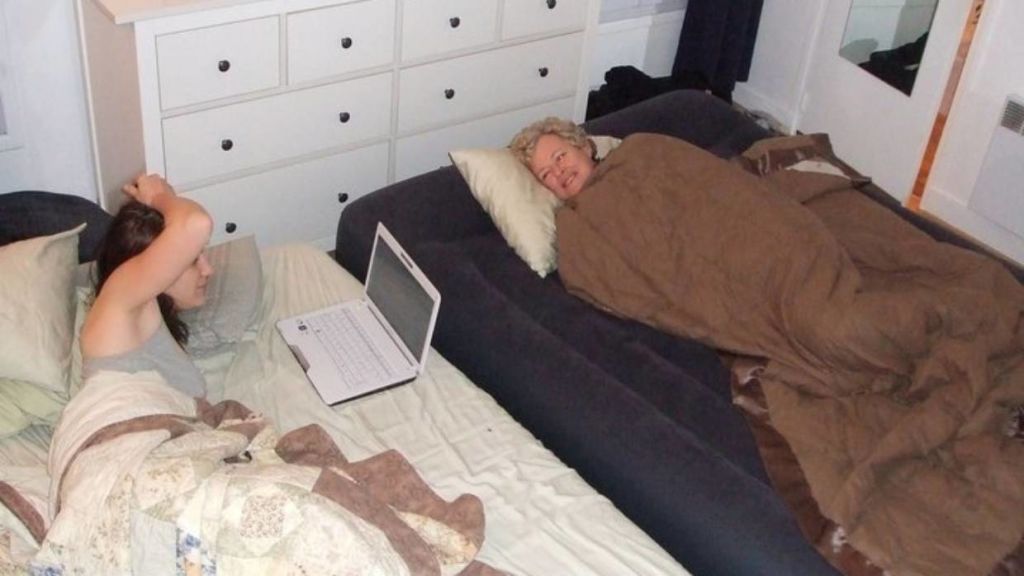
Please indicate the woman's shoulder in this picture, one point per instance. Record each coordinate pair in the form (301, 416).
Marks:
(111, 328)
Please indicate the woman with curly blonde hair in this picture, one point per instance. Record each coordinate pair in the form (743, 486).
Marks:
(558, 152)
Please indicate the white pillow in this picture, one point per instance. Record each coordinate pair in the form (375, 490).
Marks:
(233, 297)
(521, 207)
(37, 309)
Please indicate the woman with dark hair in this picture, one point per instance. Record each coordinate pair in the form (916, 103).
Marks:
(151, 265)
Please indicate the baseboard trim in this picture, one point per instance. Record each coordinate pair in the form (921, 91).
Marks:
(954, 212)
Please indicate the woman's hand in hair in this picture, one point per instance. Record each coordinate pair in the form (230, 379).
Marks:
(148, 188)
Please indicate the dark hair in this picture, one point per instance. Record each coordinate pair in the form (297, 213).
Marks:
(131, 231)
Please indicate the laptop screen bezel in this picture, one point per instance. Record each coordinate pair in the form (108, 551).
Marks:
(382, 234)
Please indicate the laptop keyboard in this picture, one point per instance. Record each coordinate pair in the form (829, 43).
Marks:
(348, 346)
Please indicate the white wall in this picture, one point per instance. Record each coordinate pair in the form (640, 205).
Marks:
(876, 128)
(52, 125)
(993, 72)
(785, 44)
(639, 33)
(647, 42)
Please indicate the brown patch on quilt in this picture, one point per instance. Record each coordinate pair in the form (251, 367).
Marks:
(214, 415)
(391, 478)
(386, 478)
(243, 421)
(356, 499)
(310, 446)
(23, 511)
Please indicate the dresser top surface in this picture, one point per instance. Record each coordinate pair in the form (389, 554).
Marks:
(128, 11)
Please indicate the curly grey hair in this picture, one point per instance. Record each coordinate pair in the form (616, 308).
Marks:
(523, 143)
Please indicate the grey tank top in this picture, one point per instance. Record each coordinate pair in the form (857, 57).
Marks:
(161, 353)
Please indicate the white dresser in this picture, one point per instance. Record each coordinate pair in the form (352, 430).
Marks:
(274, 114)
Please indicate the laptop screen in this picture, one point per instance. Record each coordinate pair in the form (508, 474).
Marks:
(399, 297)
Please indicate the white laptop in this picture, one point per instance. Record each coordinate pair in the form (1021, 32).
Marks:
(374, 342)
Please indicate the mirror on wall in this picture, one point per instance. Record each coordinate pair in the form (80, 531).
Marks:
(887, 38)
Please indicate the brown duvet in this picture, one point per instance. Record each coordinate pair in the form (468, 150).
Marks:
(894, 362)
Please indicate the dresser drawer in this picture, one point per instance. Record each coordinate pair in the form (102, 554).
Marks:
(526, 17)
(428, 151)
(219, 141)
(452, 90)
(340, 39)
(219, 61)
(300, 202)
(436, 26)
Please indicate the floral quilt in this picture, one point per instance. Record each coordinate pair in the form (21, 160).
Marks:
(144, 480)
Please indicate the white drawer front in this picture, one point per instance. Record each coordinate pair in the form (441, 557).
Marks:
(428, 151)
(526, 17)
(340, 39)
(300, 202)
(216, 62)
(436, 26)
(223, 140)
(452, 90)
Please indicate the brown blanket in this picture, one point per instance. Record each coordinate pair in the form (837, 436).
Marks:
(894, 361)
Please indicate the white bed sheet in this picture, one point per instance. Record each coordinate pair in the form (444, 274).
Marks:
(542, 518)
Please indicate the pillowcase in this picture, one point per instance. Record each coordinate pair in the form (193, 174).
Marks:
(521, 207)
(803, 152)
(37, 310)
(233, 297)
(23, 404)
(83, 302)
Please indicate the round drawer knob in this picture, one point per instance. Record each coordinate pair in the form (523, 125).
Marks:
(342, 197)
(552, 4)
(454, 22)
(449, 93)
(224, 65)
(230, 227)
(344, 117)
(543, 71)
(346, 42)
(226, 144)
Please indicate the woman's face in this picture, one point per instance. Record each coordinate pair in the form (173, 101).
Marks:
(189, 290)
(560, 166)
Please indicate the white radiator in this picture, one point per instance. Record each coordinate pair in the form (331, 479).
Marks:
(999, 191)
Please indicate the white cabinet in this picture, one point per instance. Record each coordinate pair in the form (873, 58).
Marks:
(277, 113)
(230, 138)
(528, 17)
(217, 62)
(299, 201)
(340, 39)
(450, 90)
(432, 27)
(427, 151)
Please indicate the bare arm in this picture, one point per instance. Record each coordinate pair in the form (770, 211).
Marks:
(187, 229)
